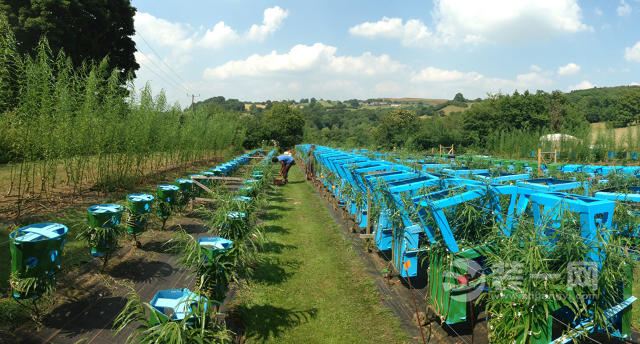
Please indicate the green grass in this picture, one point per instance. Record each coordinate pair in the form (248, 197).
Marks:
(635, 313)
(311, 285)
(5, 260)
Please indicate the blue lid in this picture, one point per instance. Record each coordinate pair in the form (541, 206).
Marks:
(216, 243)
(110, 208)
(176, 302)
(168, 187)
(236, 215)
(39, 232)
(140, 197)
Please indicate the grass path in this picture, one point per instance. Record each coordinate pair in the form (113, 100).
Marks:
(310, 287)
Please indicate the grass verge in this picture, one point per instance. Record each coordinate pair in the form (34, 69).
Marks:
(310, 285)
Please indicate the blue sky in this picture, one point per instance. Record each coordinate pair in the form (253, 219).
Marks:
(258, 50)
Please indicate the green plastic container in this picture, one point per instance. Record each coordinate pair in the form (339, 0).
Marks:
(187, 190)
(36, 249)
(167, 193)
(104, 215)
(213, 246)
(139, 205)
(35, 253)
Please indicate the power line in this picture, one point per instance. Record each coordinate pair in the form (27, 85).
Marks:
(165, 63)
(172, 85)
(166, 77)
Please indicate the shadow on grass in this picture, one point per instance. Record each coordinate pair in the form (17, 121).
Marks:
(276, 229)
(276, 247)
(140, 270)
(84, 315)
(270, 216)
(277, 208)
(277, 199)
(5, 262)
(272, 270)
(264, 322)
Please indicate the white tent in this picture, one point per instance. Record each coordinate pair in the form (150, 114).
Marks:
(558, 138)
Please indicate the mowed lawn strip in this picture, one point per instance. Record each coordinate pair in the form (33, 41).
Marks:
(311, 286)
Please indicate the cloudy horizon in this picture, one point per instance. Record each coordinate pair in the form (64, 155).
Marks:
(275, 50)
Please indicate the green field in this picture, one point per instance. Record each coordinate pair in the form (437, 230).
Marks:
(310, 286)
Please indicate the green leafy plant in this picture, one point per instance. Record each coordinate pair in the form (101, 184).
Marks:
(521, 309)
(214, 272)
(34, 294)
(201, 326)
(103, 241)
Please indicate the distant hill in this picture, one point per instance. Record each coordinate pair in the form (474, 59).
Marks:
(619, 105)
(603, 91)
(416, 100)
(221, 102)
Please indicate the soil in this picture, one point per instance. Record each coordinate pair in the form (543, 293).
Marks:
(87, 301)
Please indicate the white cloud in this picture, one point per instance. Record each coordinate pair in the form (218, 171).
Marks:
(598, 12)
(365, 64)
(317, 58)
(583, 85)
(163, 33)
(535, 68)
(633, 53)
(470, 21)
(319, 70)
(183, 37)
(433, 74)
(624, 9)
(532, 79)
(634, 84)
(413, 32)
(218, 36)
(272, 20)
(569, 69)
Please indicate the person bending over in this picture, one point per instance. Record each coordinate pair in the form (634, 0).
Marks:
(286, 161)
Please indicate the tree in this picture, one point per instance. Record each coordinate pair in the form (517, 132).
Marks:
(354, 103)
(459, 98)
(83, 29)
(10, 68)
(396, 127)
(284, 124)
(281, 122)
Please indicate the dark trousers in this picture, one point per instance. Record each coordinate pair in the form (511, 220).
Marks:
(284, 172)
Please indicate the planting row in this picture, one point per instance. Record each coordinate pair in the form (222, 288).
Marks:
(217, 259)
(79, 127)
(545, 261)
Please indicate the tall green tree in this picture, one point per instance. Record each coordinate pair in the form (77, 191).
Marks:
(284, 124)
(10, 67)
(83, 29)
(396, 127)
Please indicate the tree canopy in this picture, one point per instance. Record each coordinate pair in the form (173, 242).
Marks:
(86, 30)
(280, 122)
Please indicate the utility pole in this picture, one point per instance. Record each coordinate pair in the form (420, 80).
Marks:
(193, 102)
